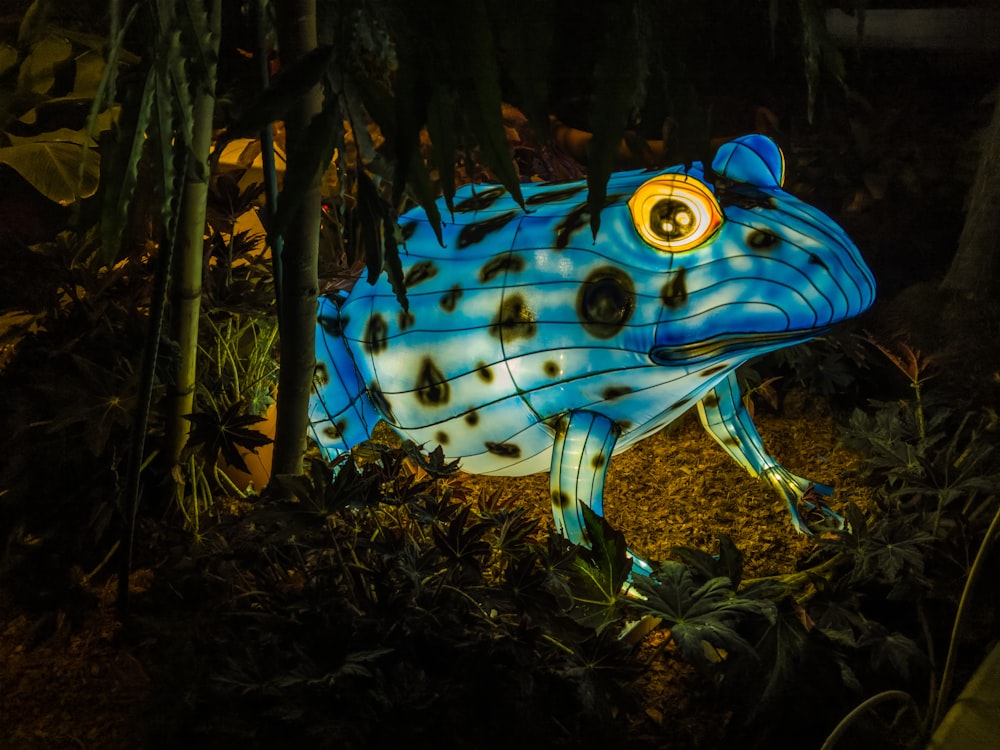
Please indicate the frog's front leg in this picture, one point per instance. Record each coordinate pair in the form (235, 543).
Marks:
(726, 418)
(584, 441)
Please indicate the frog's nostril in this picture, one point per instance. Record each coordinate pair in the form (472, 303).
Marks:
(817, 261)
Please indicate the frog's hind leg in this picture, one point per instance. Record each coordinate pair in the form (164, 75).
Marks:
(584, 442)
(341, 414)
(726, 418)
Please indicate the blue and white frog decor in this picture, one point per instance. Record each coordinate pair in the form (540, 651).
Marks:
(530, 345)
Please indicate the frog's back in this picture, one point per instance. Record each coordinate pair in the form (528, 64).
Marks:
(521, 316)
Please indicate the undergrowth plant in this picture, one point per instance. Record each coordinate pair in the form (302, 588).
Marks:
(388, 605)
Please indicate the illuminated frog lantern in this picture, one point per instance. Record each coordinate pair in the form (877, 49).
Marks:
(531, 345)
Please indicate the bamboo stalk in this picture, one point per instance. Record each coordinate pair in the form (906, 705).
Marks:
(188, 273)
(300, 279)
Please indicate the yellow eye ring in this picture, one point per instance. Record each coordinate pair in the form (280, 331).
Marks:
(675, 212)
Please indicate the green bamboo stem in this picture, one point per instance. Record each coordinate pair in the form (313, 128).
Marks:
(186, 305)
(299, 262)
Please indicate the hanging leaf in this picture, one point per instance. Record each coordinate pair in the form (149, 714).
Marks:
(392, 263)
(484, 102)
(285, 89)
(441, 129)
(525, 46)
(308, 159)
(120, 181)
(618, 84)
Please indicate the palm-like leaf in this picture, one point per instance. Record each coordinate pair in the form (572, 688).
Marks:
(226, 433)
(698, 615)
(598, 574)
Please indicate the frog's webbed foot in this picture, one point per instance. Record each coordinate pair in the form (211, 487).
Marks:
(726, 418)
(806, 501)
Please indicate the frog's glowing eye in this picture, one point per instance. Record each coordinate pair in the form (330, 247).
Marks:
(675, 212)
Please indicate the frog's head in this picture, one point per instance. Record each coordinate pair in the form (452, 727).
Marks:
(750, 268)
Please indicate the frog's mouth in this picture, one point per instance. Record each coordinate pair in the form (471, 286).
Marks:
(743, 346)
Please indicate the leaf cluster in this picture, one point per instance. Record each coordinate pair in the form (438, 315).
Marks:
(389, 606)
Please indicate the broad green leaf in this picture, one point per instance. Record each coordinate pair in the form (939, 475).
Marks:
(89, 73)
(63, 135)
(33, 20)
(52, 167)
(696, 615)
(37, 72)
(8, 58)
(780, 650)
(598, 574)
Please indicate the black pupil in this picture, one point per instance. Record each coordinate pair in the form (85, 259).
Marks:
(671, 219)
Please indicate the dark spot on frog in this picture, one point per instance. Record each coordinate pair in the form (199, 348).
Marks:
(507, 450)
(762, 239)
(674, 293)
(710, 401)
(553, 196)
(441, 437)
(551, 368)
(450, 298)
(599, 461)
(484, 372)
(376, 334)
(613, 392)
(498, 264)
(561, 499)
(405, 319)
(623, 425)
(432, 387)
(713, 370)
(732, 441)
(679, 404)
(473, 234)
(335, 430)
(321, 376)
(605, 302)
(479, 201)
(334, 327)
(472, 419)
(575, 220)
(408, 230)
(380, 402)
(514, 320)
(418, 272)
